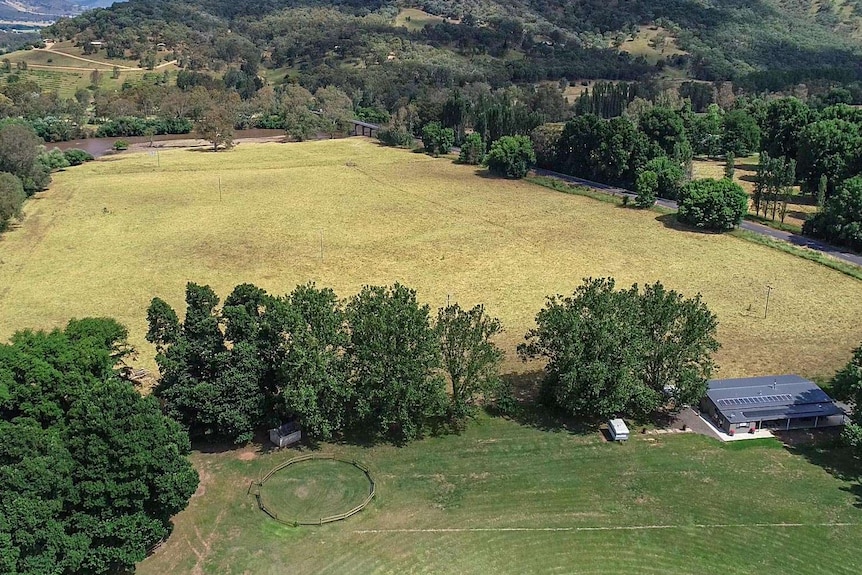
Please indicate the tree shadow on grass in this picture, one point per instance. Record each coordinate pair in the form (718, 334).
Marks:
(486, 174)
(669, 221)
(529, 409)
(824, 448)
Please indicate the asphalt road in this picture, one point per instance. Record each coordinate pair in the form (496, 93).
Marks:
(791, 238)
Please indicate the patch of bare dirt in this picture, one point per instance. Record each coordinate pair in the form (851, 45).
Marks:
(205, 479)
(246, 455)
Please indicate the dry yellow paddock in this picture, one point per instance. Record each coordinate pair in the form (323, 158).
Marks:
(110, 235)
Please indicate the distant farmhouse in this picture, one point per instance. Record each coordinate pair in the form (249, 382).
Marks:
(773, 402)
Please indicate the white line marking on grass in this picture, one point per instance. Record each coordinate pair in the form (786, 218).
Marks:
(608, 528)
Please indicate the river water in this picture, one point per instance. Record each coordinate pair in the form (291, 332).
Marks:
(100, 146)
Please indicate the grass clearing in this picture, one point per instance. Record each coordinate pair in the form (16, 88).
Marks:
(55, 70)
(110, 235)
(654, 43)
(509, 498)
(67, 82)
(414, 19)
(745, 174)
(316, 488)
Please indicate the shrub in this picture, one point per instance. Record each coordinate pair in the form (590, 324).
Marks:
(437, 139)
(646, 187)
(53, 160)
(717, 205)
(121, 145)
(472, 150)
(76, 157)
(511, 156)
(128, 126)
(398, 137)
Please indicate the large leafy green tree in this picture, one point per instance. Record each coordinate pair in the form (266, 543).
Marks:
(741, 134)
(393, 356)
(665, 127)
(646, 186)
(469, 356)
(472, 150)
(847, 386)
(828, 147)
(19, 155)
(705, 131)
(669, 176)
(716, 205)
(623, 352)
(436, 139)
(90, 471)
(312, 375)
(212, 389)
(840, 220)
(511, 156)
(784, 120)
(775, 175)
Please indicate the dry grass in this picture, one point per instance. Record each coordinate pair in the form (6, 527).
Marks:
(644, 44)
(744, 174)
(112, 234)
(418, 19)
(56, 71)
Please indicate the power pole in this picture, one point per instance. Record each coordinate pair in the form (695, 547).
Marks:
(768, 291)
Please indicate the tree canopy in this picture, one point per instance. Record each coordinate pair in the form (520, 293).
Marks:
(370, 366)
(511, 156)
(623, 352)
(847, 386)
(91, 471)
(840, 219)
(716, 205)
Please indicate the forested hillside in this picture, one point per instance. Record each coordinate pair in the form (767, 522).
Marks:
(764, 43)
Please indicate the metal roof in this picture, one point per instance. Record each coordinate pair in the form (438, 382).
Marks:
(770, 397)
(619, 426)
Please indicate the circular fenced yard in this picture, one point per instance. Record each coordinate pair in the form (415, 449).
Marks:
(315, 489)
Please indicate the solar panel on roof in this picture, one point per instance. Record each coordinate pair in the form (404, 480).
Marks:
(756, 399)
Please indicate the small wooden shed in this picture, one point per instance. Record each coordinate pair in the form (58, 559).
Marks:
(286, 435)
(618, 430)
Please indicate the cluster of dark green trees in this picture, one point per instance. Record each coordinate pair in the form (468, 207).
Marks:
(847, 386)
(25, 167)
(371, 366)
(749, 43)
(623, 352)
(91, 471)
(818, 148)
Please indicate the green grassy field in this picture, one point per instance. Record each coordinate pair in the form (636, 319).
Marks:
(56, 70)
(310, 490)
(415, 19)
(510, 498)
(110, 235)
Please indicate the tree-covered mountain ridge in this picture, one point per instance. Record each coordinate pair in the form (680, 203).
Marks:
(625, 39)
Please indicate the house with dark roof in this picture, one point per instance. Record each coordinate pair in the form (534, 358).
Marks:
(774, 402)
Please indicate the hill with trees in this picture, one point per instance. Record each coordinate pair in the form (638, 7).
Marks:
(349, 42)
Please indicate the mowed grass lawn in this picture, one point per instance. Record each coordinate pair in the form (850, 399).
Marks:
(509, 498)
(110, 235)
